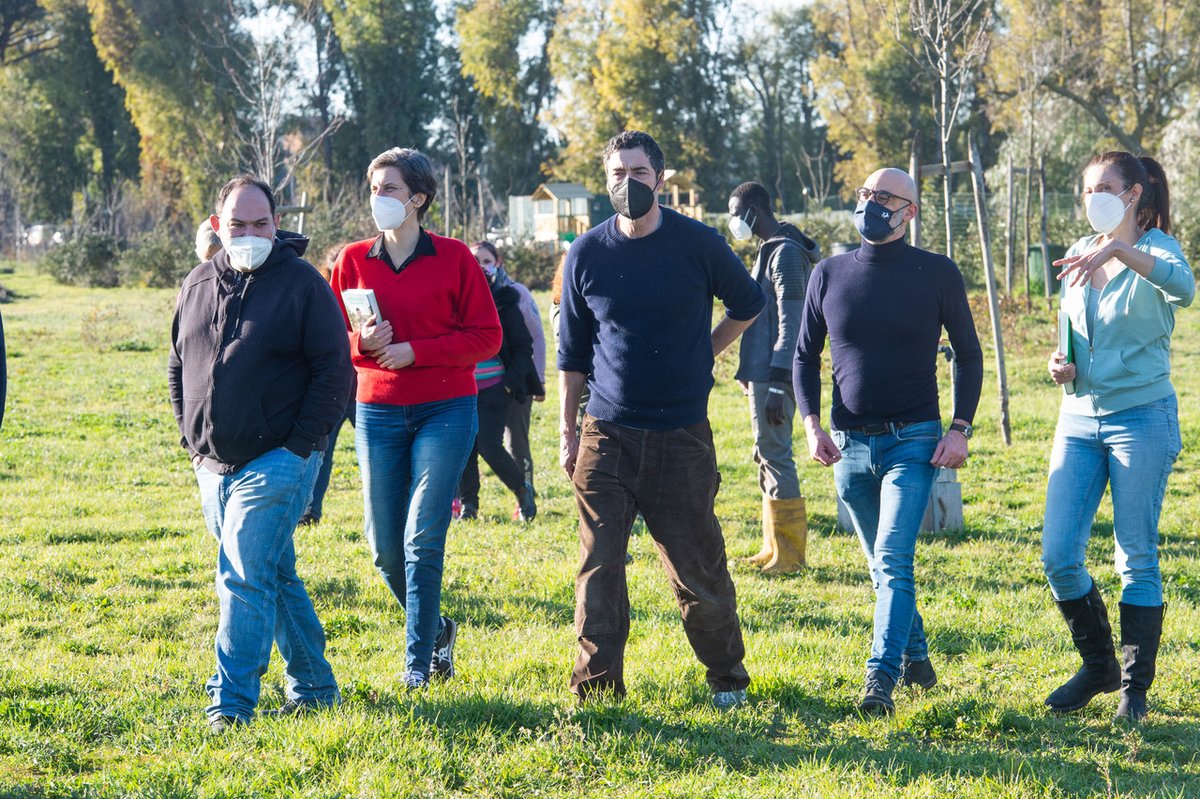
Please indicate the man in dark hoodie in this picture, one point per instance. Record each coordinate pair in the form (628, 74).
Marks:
(785, 258)
(259, 373)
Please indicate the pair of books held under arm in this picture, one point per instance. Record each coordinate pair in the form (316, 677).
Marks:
(1064, 345)
(361, 307)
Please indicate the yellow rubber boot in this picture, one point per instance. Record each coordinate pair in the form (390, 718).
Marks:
(768, 547)
(790, 525)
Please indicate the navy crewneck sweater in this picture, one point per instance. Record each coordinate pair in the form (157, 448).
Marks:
(883, 308)
(636, 316)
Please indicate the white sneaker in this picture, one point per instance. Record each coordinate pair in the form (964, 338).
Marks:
(415, 681)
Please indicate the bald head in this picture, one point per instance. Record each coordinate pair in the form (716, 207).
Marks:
(893, 189)
(897, 181)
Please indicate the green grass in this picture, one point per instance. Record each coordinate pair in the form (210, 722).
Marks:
(107, 615)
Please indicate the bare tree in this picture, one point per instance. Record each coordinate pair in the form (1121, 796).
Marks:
(263, 70)
(815, 171)
(461, 131)
(952, 38)
(1131, 84)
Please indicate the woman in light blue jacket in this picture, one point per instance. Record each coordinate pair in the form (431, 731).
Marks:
(1118, 426)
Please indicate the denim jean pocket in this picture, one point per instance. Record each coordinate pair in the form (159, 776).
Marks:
(916, 432)
(839, 438)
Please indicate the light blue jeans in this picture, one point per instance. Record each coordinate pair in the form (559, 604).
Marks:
(1133, 452)
(884, 481)
(253, 513)
(411, 458)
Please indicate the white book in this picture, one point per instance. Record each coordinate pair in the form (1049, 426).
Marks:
(361, 307)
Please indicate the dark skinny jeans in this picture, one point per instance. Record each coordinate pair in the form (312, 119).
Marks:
(489, 443)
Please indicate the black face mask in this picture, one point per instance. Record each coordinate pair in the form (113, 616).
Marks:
(874, 221)
(631, 198)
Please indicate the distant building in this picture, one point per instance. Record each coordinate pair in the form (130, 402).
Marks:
(560, 212)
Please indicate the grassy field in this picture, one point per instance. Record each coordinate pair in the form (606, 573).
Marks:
(107, 615)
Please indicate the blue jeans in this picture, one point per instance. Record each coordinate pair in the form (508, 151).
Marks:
(884, 481)
(253, 513)
(1133, 451)
(411, 457)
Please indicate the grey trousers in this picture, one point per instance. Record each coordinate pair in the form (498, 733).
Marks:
(516, 435)
(773, 446)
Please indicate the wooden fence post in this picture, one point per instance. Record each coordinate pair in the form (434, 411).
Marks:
(1045, 227)
(1010, 236)
(914, 169)
(985, 242)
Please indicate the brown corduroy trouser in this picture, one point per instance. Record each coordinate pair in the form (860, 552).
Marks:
(671, 477)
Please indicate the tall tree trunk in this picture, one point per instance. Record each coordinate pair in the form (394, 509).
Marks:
(990, 276)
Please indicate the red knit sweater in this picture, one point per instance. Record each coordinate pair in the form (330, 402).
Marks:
(440, 304)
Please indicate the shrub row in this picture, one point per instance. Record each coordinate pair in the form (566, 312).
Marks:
(158, 259)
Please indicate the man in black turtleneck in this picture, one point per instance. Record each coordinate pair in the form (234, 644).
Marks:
(883, 308)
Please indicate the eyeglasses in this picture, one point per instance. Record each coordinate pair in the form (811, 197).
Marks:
(882, 197)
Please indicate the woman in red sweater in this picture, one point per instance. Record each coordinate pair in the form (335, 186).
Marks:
(416, 393)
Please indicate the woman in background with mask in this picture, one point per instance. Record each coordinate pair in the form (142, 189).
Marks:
(1120, 426)
(508, 376)
(416, 412)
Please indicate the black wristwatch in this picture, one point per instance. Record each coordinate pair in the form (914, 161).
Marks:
(966, 429)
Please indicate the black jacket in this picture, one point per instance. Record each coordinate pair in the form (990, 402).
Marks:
(516, 350)
(258, 361)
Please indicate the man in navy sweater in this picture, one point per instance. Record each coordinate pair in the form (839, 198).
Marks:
(883, 308)
(636, 326)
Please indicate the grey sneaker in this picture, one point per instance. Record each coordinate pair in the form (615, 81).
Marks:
(526, 504)
(728, 700)
(443, 650)
(877, 695)
(917, 673)
(415, 681)
(218, 725)
(295, 707)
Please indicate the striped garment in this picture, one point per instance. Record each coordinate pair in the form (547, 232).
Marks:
(489, 372)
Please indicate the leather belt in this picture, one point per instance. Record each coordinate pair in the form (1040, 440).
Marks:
(880, 428)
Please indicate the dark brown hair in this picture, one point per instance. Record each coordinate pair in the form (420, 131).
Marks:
(636, 140)
(415, 169)
(243, 181)
(1154, 206)
(487, 245)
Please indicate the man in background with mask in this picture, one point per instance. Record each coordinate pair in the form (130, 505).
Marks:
(767, 348)
(636, 326)
(259, 373)
(883, 307)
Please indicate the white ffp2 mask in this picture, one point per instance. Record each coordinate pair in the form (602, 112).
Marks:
(1105, 211)
(740, 228)
(247, 253)
(388, 212)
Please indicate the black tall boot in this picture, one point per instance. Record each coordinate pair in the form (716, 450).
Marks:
(1087, 619)
(1141, 629)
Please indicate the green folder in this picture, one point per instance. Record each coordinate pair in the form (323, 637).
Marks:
(1065, 345)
